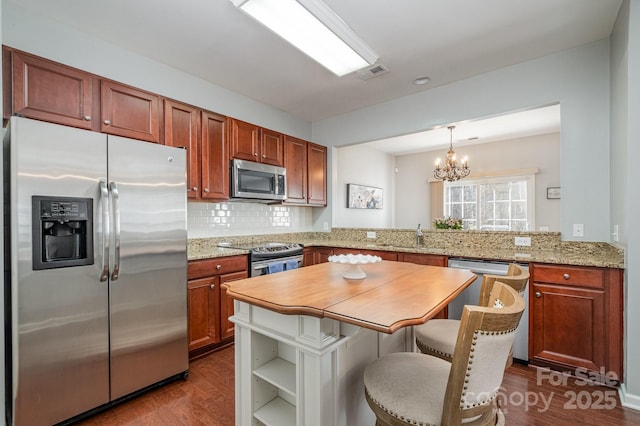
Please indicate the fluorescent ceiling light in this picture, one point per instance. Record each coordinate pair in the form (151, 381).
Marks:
(315, 29)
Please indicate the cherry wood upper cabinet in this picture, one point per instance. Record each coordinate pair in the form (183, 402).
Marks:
(214, 157)
(317, 164)
(203, 134)
(244, 140)
(295, 161)
(253, 143)
(306, 165)
(181, 127)
(271, 147)
(44, 90)
(129, 112)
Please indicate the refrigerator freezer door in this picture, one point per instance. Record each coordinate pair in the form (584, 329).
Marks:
(148, 266)
(59, 319)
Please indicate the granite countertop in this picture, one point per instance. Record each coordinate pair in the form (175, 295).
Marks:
(560, 252)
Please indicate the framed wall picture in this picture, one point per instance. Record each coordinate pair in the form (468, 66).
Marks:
(363, 197)
(553, 193)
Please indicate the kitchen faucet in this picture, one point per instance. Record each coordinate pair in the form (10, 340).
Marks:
(418, 235)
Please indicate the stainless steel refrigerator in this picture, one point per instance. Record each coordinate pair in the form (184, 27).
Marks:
(95, 269)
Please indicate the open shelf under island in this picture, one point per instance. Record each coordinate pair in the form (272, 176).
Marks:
(303, 337)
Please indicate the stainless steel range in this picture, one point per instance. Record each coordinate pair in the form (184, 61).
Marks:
(271, 257)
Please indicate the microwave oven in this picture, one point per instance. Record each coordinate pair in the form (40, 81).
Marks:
(257, 181)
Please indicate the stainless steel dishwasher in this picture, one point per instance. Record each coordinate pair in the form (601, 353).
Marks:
(471, 295)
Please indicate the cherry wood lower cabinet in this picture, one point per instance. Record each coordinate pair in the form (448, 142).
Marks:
(315, 255)
(431, 260)
(423, 259)
(208, 305)
(576, 319)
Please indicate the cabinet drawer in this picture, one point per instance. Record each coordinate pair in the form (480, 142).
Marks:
(217, 266)
(569, 275)
(423, 259)
(384, 255)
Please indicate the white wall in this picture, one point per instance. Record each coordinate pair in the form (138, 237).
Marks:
(625, 198)
(540, 151)
(632, 307)
(577, 78)
(364, 166)
(2, 354)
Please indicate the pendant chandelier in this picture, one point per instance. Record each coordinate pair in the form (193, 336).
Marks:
(451, 171)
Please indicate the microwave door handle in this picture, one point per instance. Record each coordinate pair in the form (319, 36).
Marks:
(116, 230)
(104, 202)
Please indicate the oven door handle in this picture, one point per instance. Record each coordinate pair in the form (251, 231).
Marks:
(264, 264)
(259, 267)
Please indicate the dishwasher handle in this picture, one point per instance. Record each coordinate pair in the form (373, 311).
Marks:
(480, 267)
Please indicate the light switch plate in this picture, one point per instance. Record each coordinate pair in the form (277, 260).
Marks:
(371, 234)
(523, 241)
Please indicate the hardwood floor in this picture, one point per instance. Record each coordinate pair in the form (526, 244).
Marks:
(529, 397)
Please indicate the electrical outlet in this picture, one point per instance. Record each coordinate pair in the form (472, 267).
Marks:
(371, 234)
(523, 241)
(616, 233)
(325, 226)
(578, 230)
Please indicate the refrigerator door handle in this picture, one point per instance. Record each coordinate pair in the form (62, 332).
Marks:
(104, 200)
(113, 187)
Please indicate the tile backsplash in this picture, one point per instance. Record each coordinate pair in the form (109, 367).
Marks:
(245, 218)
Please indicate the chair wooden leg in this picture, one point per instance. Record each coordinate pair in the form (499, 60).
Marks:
(509, 359)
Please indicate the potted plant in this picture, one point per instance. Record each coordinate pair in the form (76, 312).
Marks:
(447, 223)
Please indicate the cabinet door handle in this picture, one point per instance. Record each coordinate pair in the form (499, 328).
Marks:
(218, 267)
(255, 154)
(213, 286)
(195, 188)
(107, 122)
(538, 294)
(566, 276)
(264, 155)
(206, 190)
(87, 118)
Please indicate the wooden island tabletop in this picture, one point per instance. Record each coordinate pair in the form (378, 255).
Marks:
(393, 294)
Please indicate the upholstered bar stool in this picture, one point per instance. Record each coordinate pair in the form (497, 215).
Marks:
(437, 337)
(409, 388)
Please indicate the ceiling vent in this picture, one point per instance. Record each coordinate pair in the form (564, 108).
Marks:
(373, 71)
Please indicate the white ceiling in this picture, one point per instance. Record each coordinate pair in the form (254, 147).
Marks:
(446, 40)
(492, 129)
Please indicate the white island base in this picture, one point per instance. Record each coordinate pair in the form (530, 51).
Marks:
(301, 370)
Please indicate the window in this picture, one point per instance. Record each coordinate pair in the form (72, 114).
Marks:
(496, 204)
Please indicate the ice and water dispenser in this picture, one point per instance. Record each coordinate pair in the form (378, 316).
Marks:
(62, 229)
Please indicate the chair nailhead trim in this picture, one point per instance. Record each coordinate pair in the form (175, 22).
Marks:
(396, 415)
(444, 354)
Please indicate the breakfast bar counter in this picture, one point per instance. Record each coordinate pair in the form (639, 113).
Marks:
(303, 337)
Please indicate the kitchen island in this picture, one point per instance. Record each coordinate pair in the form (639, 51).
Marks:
(303, 337)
